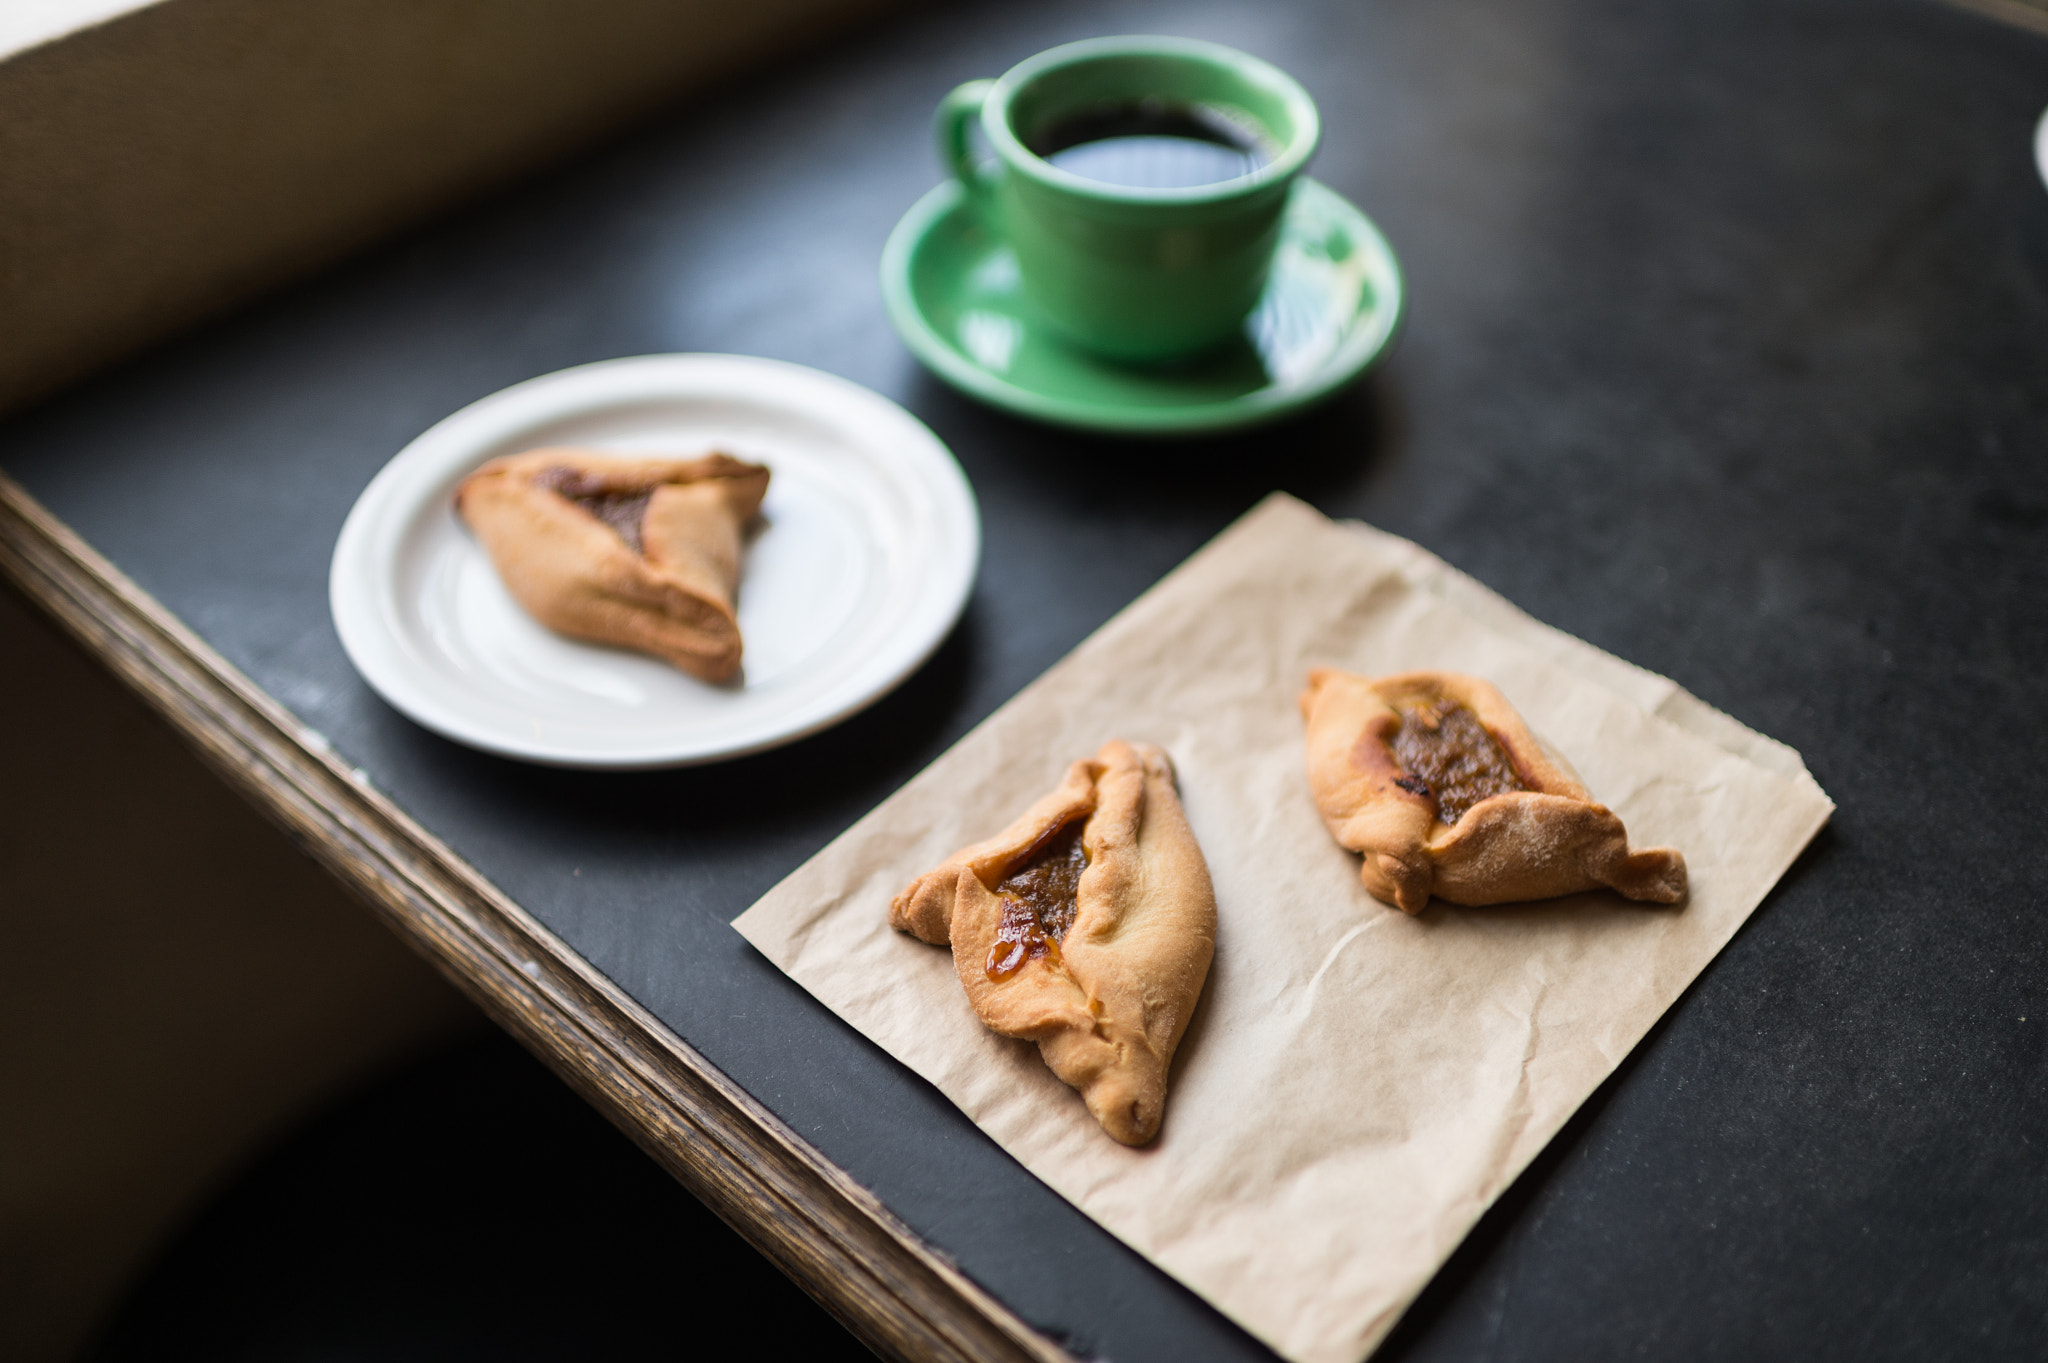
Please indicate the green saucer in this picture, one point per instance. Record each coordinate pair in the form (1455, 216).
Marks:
(1329, 310)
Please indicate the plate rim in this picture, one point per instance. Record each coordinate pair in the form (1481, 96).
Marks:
(1359, 352)
(355, 607)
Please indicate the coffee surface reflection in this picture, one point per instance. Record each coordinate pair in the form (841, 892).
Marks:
(1151, 144)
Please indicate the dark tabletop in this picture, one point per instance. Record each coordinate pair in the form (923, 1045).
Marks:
(1728, 352)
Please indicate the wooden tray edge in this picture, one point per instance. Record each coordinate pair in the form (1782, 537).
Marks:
(837, 1241)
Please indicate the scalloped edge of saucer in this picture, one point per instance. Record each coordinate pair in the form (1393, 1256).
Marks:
(1361, 349)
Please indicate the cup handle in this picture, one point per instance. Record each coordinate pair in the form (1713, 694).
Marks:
(956, 111)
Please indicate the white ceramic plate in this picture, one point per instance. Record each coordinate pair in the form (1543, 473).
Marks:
(863, 560)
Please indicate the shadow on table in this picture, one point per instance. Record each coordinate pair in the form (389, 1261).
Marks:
(1314, 455)
(468, 1207)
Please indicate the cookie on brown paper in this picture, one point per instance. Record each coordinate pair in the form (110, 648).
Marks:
(638, 552)
(1086, 926)
(1439, 783)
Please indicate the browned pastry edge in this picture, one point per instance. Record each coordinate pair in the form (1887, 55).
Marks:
(577, 576)
(1108, 1008)
(1546, 840)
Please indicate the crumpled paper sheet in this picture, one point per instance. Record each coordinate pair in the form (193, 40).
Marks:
(1357, 1086)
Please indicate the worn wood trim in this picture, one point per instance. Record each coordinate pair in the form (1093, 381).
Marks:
(833, 1237)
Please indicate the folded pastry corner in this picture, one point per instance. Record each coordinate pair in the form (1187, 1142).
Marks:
(1439, 783)
(1086, 926)
(642, 553)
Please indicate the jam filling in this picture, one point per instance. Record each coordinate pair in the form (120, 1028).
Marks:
(1450, 758)
(622, 511)
(1040, 899)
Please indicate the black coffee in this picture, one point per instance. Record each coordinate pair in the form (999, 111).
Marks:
(1151, 144)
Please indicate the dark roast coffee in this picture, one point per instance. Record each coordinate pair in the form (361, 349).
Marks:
(1150, 144)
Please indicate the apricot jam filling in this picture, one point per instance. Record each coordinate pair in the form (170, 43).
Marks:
(622, 511)
(1450, 758)
(1040, 898)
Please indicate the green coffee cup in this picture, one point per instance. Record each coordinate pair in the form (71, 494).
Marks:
(1140, 266)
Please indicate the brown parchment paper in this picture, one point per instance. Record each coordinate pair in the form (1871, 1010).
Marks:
(1357, 1085)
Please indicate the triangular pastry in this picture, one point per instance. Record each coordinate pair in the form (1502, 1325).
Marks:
(1086, 926)
(638, 552)
(1439, 783)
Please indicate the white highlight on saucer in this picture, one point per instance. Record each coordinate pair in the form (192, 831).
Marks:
(991, 338)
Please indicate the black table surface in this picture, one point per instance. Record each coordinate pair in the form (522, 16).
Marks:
(1728, 352)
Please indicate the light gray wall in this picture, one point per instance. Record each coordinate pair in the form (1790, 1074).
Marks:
(178, 159)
